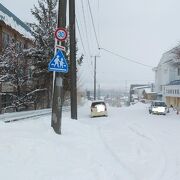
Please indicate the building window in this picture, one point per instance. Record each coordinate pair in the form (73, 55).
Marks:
(18, 46)
(178, 71)
(161, 87)
(5, 39)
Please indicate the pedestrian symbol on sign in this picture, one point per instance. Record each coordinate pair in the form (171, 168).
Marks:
(58, 63)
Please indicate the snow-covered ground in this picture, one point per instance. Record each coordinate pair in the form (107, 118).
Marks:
(129, 144)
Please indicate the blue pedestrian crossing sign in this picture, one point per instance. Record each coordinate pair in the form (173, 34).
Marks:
(58, 63)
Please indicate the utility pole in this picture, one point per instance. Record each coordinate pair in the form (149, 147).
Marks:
(125, 86)
(95, 76)
(0, 103)
(73, 59)
(58, 82)
(99, 91)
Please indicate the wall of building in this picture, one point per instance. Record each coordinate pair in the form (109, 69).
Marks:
(168, 71)
(12, 29)
(7, 35)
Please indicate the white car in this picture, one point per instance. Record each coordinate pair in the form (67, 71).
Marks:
(98, 108)
(158, 107)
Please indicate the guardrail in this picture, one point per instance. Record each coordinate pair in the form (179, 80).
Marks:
(16, 116)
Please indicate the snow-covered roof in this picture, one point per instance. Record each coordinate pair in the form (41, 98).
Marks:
(147, 90)
(140, 87)
(134, 96)
(10, 19)
(176, 82)
(169, 56)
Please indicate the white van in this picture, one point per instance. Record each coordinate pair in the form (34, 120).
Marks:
(98, 108)
(158, 107)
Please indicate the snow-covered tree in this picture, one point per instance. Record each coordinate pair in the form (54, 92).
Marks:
(46, 21)
(46, 16)
(43, 32)
(176, 51)
(13, 68)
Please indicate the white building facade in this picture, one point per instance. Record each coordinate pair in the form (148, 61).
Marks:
(167, 77)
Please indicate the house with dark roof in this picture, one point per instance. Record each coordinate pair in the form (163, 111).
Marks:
(12, 28)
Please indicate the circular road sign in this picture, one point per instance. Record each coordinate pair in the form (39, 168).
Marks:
(61, 34)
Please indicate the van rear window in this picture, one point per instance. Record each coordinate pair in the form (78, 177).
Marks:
(160, 104)
(97, 103)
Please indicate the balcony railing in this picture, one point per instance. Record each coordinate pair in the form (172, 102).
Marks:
(172, 90)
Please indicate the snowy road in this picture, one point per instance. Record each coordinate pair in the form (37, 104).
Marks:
(129, 144)
(147, 145)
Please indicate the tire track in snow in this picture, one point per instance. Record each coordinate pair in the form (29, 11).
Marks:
(139, 131)
(135, 128)
(115, 156)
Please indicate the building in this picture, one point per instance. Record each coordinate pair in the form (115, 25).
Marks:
(149, 95)
(167, 77)
(136, 91)
(12, 29)
(171, 93)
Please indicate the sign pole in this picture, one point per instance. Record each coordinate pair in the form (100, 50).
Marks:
(58, 88)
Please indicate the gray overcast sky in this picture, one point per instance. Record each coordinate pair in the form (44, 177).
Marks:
(141, 30)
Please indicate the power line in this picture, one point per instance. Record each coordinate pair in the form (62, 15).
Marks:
(88, 52)
(93, 24)
(80, 36)
(98, 10)
(83, 45)
(86, 32)
(128, 59)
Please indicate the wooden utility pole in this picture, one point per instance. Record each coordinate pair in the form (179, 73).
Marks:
(58, 82)
(0, 97)
(95, 76)
(73, 59)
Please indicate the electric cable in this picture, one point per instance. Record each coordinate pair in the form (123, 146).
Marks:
(127, 59)
(80, 35)
(86, 55)
(93, 24)
(86, 32)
